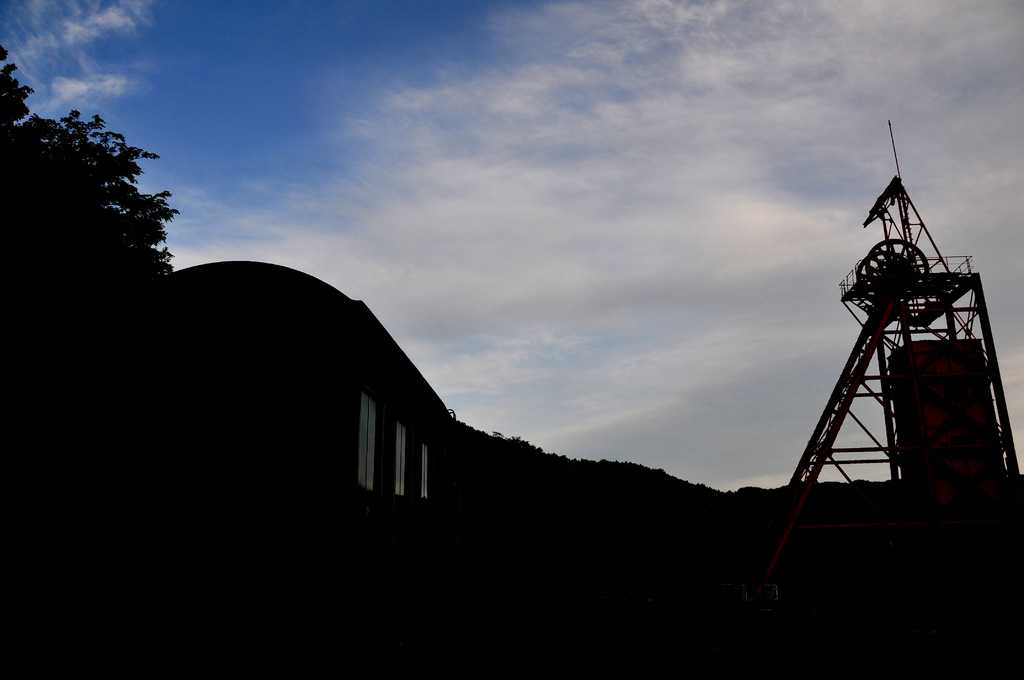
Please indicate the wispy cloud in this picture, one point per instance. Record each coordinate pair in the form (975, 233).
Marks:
(76, 93)
(53, 50)
(90, 21)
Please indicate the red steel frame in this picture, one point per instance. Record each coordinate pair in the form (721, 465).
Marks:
(924, 324)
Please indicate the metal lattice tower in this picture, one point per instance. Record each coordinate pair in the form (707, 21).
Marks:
(922, 390)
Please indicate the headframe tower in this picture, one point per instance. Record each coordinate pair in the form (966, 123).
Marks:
(922, 390)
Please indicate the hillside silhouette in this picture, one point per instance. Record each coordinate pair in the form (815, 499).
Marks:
(599, 528)
(593, 562)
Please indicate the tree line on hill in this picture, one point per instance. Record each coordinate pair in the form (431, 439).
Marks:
(540, 522)
(598, 561)
(605, 528)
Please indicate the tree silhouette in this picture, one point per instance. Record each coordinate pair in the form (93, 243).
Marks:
(71, 194)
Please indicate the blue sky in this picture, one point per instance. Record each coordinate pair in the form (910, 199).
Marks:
(615, 229)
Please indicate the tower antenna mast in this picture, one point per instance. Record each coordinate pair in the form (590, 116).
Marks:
(893, 139)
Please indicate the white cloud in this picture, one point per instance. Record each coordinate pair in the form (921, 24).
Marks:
(90, 21)
(68, 91)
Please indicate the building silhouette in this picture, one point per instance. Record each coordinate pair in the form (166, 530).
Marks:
(273, 468)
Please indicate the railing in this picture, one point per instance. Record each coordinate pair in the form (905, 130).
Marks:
(846, 284)
(957, 264)
(954, 264)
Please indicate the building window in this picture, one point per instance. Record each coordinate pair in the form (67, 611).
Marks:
(423, 473)
(399, 459)
(367, 440)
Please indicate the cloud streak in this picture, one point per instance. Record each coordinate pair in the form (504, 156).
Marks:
(91, 21)
(73, 93)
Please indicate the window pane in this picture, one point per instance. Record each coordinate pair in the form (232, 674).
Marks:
(423, 473)
(399, 459)
(367, 440)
